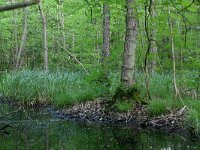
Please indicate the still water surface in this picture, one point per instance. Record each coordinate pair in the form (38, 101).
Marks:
(41, 131)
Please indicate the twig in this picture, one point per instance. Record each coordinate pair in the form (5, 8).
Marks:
(73, 57)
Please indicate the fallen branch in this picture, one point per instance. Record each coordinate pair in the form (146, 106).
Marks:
(19, 5)
(73, 57)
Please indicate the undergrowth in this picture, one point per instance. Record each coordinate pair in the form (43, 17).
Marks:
(60, 88)
(192, 117)
(67, 88)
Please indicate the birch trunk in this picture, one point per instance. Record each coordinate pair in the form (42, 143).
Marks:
(176, 91)
(44, 37)
(23, 39)
(62, 22)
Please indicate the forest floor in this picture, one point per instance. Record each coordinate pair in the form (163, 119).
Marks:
(95, 112)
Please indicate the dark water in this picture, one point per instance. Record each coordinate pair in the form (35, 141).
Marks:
(41, 131)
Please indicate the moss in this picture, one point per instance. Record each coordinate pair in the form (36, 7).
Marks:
(125, 98)
(123, 92)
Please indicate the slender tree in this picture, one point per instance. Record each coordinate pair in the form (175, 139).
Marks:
(106, 32)
(14, 37)
(106, 39)
(61, 21)
(153, 46)
(23, 39)
(44, 36)
(173, 53)
(129, 46)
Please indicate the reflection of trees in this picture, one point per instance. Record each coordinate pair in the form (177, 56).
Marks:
(57, 135)
(127, 139)
(39, 135)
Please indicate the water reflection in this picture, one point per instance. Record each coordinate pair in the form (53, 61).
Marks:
(39, 131)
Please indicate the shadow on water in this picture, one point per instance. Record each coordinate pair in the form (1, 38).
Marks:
(31, 130)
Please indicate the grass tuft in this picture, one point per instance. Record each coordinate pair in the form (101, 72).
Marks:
(157, 107)
(193, 120)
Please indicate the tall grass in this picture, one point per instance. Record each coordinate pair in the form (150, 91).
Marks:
(160, 85)
(61, 88)
(161, 90)
(158, 107)
(65, 88)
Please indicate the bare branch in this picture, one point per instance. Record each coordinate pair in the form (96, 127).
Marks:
(19, 5)
(73, 57)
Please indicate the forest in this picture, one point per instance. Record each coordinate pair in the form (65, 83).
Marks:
(106, 60)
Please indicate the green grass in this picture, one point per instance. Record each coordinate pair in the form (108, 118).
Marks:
(163, 106)
(124, 106)
(157, 107)
(160, 85)
(60, 88)
(193, 120)
(193, 115)
(68, 88)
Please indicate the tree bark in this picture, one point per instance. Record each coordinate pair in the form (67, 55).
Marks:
(23, 39)
(18, 5)
(62, 22)
(44, 37)
(14, 51)
(153, 48)
(129, 46)
(106, 32)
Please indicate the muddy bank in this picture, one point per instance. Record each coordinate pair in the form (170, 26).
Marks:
(95, 112)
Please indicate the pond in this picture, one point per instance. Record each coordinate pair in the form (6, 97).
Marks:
(40, 130)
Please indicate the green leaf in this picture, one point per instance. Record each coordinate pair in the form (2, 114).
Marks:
(193, 9)
(186, 3)
(166, 3)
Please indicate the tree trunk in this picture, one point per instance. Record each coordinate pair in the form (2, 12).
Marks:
(23, 39)
(153, 48)
(14, 51)
(106, 32)
(173, 54)
(44, 37)
(62, 22)
(129, 46)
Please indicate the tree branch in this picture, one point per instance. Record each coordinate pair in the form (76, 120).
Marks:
(19, 5)
(73, 57)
